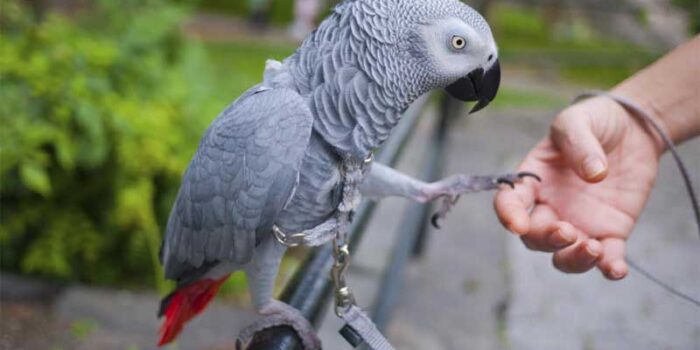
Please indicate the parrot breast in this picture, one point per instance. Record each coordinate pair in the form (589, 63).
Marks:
(318, 193)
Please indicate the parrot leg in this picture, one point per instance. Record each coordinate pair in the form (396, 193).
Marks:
(261, 273)
(451, 188)
(384, 182)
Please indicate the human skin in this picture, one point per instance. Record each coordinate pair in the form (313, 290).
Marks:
(599, 164)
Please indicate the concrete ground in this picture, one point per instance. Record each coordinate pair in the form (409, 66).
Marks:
(476, 287)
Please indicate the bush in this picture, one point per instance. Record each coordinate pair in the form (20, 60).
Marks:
(575, 49)
(99, 119)
(692, 9)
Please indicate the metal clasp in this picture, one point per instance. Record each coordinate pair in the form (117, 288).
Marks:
(369, 159)
(290, 241)
(343, 296)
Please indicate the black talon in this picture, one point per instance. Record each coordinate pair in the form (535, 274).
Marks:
(529, 174)
(506, 182)
(434, 221)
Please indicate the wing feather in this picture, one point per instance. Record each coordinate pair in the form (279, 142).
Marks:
(243, 174)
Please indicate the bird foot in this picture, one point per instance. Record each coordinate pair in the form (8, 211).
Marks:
(452, 188)
(277, 314)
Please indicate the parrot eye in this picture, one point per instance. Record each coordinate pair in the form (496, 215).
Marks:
(458, 42)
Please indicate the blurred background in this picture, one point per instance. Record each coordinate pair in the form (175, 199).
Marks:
(102, 104)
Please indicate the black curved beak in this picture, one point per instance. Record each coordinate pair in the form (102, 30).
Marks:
(477, 86)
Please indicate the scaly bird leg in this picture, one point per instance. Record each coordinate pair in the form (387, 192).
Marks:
(451, 188)
(383, 181)
(262, 272)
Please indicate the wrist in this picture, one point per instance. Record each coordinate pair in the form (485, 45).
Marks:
(668, 90)
(652, 111)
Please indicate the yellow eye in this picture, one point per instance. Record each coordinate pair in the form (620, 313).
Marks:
(458, 42)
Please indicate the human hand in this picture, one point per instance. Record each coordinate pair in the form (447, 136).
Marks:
(598, 166)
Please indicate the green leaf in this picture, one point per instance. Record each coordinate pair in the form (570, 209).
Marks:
(82, 329)
(35, 178)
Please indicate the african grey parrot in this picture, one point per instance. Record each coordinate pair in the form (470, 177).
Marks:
(273, 159)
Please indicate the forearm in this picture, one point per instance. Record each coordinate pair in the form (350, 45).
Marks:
(670, 90)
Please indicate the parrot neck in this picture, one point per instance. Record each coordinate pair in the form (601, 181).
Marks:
(357, 98)
(353, 113)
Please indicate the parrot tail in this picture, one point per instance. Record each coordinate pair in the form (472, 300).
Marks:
(183, 304)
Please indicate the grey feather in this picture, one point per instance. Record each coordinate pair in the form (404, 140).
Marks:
(273, 157)
(241, 177)
(364, 66)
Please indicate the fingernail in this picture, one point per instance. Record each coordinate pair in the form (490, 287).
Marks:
(593, 168)
(618, 271)
(511, 228)
(592, 249)
(562, 238)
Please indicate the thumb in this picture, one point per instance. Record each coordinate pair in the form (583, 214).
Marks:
(573, 135)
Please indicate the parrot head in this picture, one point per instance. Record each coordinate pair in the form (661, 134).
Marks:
(456, 51)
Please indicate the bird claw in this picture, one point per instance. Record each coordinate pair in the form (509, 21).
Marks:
(526, 174)
(511, 180)
(451, 188)
(506, 182)
(447, 203)
(435, 221)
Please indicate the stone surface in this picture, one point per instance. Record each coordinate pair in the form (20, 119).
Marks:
(127, 320)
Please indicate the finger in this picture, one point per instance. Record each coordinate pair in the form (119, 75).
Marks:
(542, 219)
(578, 258)
(547, 234)
(573, 135)
(612, 263)
(512, 207)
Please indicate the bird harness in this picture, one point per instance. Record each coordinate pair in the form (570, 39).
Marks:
(359, 328)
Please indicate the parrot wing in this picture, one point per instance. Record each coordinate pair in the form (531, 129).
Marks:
(243, 174)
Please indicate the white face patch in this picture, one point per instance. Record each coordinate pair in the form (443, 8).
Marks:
(455, 49)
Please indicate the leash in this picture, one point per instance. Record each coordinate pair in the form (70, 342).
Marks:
(359, 328)
(641, 114)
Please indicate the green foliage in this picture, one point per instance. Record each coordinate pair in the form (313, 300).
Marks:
(100, 115)
(236, 8)
(509, 97)
(279, 11)
(573, 47)
(81, 329)
(516, 27)
(237, 66)
(692, 8)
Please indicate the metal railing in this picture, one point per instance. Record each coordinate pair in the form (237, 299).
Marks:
(310, 289)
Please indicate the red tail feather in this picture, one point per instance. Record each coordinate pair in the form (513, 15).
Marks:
(184, 304)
